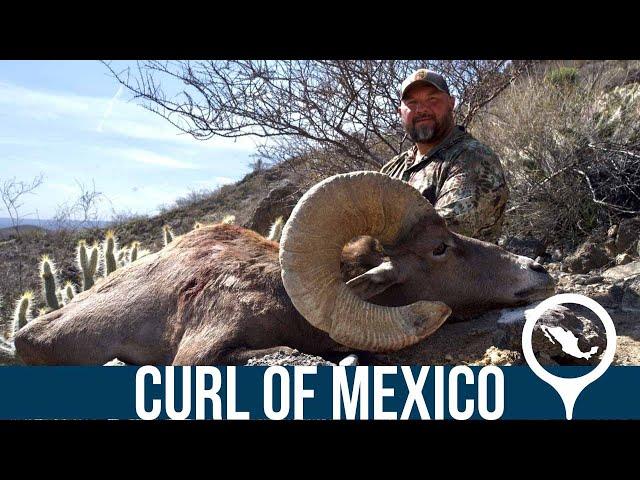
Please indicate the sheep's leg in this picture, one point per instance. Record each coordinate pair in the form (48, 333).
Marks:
(200, 350)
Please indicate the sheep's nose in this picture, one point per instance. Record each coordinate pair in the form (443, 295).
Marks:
(536, 267)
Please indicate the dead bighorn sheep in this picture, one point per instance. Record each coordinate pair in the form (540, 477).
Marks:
(222, 294)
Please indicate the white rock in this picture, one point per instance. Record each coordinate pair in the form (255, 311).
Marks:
(350, 361)
(622, 271)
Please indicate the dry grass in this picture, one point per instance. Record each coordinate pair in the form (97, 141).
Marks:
(569, 139)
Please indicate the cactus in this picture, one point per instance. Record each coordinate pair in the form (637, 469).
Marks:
(168, 235)
(93, 262)
(275, 232)
(21, 316)
(7, 350)
(229, 219)
(133, 252)
(109, 252)
(22, 313)
(123, 257)
(83, 261)
(48, 275)
(88, 263)
(42, 311)
(69, 291)
(197, 225)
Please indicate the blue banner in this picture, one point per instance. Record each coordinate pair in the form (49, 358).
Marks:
(360, 393)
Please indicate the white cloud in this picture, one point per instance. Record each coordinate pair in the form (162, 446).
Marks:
(112, 115)
(217, 181)
(224, 180)
(151, 158)
(135, 122)
(42, 103)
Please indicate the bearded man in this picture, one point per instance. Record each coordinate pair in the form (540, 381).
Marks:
(462, 178)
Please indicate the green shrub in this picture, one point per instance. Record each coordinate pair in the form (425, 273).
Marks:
(562, 76)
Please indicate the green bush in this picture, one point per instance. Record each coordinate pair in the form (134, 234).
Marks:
(562, 76)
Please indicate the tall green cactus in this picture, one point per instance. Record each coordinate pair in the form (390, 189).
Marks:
(88, 263)
(48, 276)
(133, 252)
(93, 262)
(167, 234)
(21, 316)
(109, 252)
(22, 313)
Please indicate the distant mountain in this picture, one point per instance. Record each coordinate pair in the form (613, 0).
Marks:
(50, 224)
(9, 232)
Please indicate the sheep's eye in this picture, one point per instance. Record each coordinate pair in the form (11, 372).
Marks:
(440, 249)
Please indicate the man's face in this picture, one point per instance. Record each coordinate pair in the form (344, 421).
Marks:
(427, 113)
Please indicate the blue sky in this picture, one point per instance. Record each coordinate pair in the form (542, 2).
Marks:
(71, 122)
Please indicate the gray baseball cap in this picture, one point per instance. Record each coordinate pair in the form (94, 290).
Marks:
(425, 76)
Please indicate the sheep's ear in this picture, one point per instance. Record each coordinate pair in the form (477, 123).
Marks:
(375, 281)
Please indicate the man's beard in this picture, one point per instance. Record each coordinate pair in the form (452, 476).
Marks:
(428, 133)
(422, 133)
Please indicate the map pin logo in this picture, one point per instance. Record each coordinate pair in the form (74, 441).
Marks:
(569, 388)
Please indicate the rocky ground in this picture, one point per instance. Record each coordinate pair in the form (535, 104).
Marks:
(293, 358)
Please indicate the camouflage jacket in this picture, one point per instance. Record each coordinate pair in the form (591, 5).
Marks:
(463, 180)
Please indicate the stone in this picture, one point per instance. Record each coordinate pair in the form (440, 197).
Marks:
(291, 358)
(497, 356)
(115, 363)
(556, 255)
(622, 272)
(615, 294)
(586, 258)
(631, 296)
(526, 246)
(349, 361)
(579, 279)
(593, 279)
(627, 234)
(589, 335)
(582, 279)
(623, 259)
(610, 247)
(278, 203)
